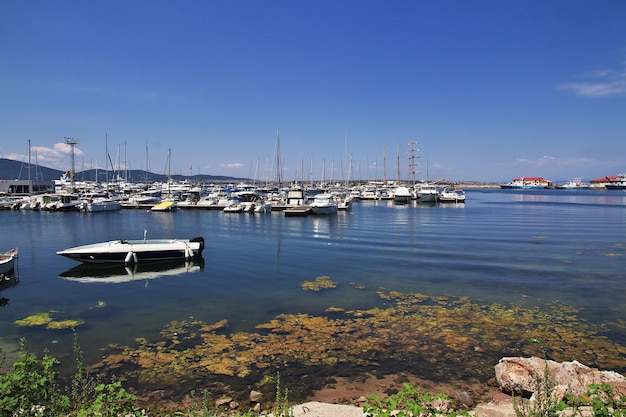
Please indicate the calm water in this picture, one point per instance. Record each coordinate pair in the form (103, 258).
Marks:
(502, 246)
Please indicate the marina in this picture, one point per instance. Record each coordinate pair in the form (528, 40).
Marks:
(528, 251)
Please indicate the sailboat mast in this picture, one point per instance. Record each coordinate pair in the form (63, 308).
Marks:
(398, 151)
(106, 159)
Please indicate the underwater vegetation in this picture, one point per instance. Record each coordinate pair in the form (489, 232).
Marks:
(319, 283)
(45, 319)
(439, 338)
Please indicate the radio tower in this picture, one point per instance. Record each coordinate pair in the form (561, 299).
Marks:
(72, 142)
(412, 157)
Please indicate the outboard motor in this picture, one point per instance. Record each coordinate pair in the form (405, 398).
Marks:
(201, 240)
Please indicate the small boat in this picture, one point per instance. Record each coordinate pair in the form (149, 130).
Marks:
(452, 195)
(166, 205)
(575, 184)
(345, 202)
(427, 193)
(101, 204)
(7, 261)
(136, 251)
(324, 204)
(402, 195)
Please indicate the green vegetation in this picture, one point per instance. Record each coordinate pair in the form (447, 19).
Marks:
(32, 389)
(410, 402)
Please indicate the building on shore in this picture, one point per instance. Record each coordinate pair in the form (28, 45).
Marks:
(25, 187)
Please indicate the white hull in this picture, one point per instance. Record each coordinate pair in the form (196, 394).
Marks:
(324, 204)
(7, 261)
(104, 205)
(135, 251)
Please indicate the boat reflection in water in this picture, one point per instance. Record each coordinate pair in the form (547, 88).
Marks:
(8, 280)
(115, 274)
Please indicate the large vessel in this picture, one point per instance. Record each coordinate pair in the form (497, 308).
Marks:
(618, 184)
(524, 183)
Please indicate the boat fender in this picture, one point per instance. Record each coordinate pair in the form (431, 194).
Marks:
(188, 252)
(130, 257)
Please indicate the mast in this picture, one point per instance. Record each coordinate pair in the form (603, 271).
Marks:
(385, 166)
(398, 152)
(169, 172)
(106, 146)
(29, 183)
(412, 157)
(279, 177)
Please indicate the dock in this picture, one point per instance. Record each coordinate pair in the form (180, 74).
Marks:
(303, 210)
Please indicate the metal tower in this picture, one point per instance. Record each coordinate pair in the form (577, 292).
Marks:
(412, 158)
(72, 142)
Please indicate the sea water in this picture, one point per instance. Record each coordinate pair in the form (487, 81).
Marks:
(529, 247)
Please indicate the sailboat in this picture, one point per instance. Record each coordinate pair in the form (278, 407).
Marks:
(168, 204)
(427, 192)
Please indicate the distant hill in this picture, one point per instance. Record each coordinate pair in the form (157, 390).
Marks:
(12, 170)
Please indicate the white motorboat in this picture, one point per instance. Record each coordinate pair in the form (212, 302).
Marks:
(7, 261)
(452, 195)
(345, 202)
(427, 193)
(324, 204)
(402, 195)
(101, 204)
(575, 184)
(136, 251)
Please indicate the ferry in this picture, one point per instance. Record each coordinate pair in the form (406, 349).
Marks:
(525, 183)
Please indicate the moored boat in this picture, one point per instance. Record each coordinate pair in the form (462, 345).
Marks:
(166, 205)
(324, 204)
(452, 195)
(134, 251)
(427, 193)
(575, 184)
(526, 183)
(7, 261)
(618, 184)
(402, 195)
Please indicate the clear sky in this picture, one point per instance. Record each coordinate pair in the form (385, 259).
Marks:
(490, 89)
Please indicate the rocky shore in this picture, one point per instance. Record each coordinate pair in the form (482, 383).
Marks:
(342, 397)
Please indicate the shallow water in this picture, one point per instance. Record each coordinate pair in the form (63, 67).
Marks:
(502, 246)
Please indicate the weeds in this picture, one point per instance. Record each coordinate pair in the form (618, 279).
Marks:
(281, 404)
(412, 401)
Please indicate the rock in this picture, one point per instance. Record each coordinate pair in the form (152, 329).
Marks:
(256, 396)
(465, 398)
(495, 410)
(524, 374)
(222, 401)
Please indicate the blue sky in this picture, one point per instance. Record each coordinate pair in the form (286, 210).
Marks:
(490, 89)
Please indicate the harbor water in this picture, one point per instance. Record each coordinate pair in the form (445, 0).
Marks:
(528, 248)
